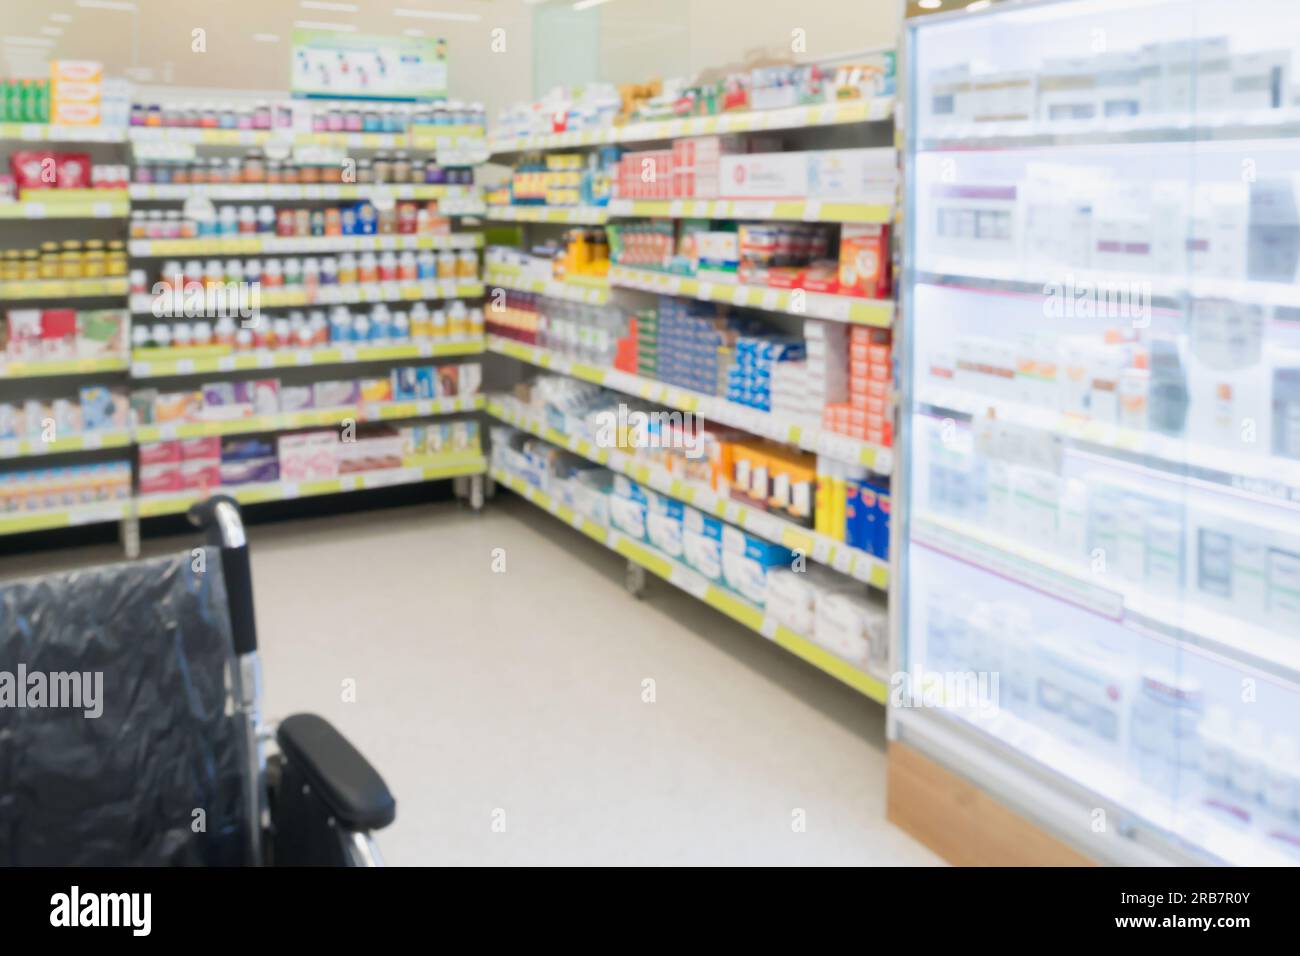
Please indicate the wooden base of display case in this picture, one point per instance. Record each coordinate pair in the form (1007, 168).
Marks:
(962, 823)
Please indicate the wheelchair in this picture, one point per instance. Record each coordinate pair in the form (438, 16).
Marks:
(131, 731)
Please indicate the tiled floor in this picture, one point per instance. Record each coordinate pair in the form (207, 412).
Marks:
(507, 711)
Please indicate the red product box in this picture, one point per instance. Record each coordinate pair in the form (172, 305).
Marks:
(73, 170)
(877, 388)
(160, 479)
(160, 453)
(200, 474)
(196, 449)
(859, 351)
(34, 169)
(878, 354)
(881, 373)
(815, 279)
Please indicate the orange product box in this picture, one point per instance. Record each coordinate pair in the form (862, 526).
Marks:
(75, 114)
(864, 260)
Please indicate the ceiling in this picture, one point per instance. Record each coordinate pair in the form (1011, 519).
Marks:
(153, 41)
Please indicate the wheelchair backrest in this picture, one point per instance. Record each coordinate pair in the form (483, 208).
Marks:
(119, 739)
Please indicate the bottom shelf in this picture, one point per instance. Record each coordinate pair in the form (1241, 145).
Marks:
(96, 513)
(432, 469)
(682, 577)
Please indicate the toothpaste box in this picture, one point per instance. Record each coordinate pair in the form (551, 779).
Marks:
(702, 543)
(664, 524)
(627, 507)
(746, 560)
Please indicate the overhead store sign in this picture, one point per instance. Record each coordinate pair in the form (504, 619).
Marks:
(344, 66)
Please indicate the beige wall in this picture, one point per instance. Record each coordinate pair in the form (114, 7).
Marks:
(640, 39)
(722, 32)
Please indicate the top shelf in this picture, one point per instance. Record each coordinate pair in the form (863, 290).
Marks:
(794, 117)
(49, 133)
(1133, 130)
(425, 137)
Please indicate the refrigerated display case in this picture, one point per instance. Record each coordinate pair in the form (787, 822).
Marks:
(1099, 517)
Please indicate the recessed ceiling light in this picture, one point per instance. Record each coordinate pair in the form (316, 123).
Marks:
(106, 5)
(61, 17)
(322, 25)
(588, 4)
(332, 7)
(52, 31)
(266, 37)
(929, 4)
(436, 15)
(978, 5)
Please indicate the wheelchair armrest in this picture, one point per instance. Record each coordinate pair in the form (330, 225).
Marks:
(345, 781)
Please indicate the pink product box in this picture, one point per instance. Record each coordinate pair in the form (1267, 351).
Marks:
(201, 449)
(200, 474)
(308, 456)
(162, 452)
(160, 479)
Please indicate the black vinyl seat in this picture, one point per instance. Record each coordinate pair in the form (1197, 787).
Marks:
(130, 730)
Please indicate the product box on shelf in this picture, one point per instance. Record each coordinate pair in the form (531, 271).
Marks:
(308, 456)
(746, 560)
(627, 507)
(702, 543)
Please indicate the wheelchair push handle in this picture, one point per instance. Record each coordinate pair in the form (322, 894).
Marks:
(219, 519)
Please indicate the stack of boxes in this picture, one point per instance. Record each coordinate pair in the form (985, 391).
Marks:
(76, 93)
(645, 174)
(688, 345)
(175, 466)
(70, 486)
(749, 376)
(36, 335)
(867, 414)
(697, 165)
(832, 611)
(826, 372)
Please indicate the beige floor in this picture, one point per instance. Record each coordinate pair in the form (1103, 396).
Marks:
(516, 698)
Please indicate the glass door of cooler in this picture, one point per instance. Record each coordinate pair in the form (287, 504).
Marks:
(1100, 415)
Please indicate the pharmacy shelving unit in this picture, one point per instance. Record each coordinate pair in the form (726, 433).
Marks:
(556, 215)
(57, 215)
(1127, 569)
(593, 290)
(413, 471)
(808, 436)
(778, 428)
(67, 209)
(644, 557)
(819, 547)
